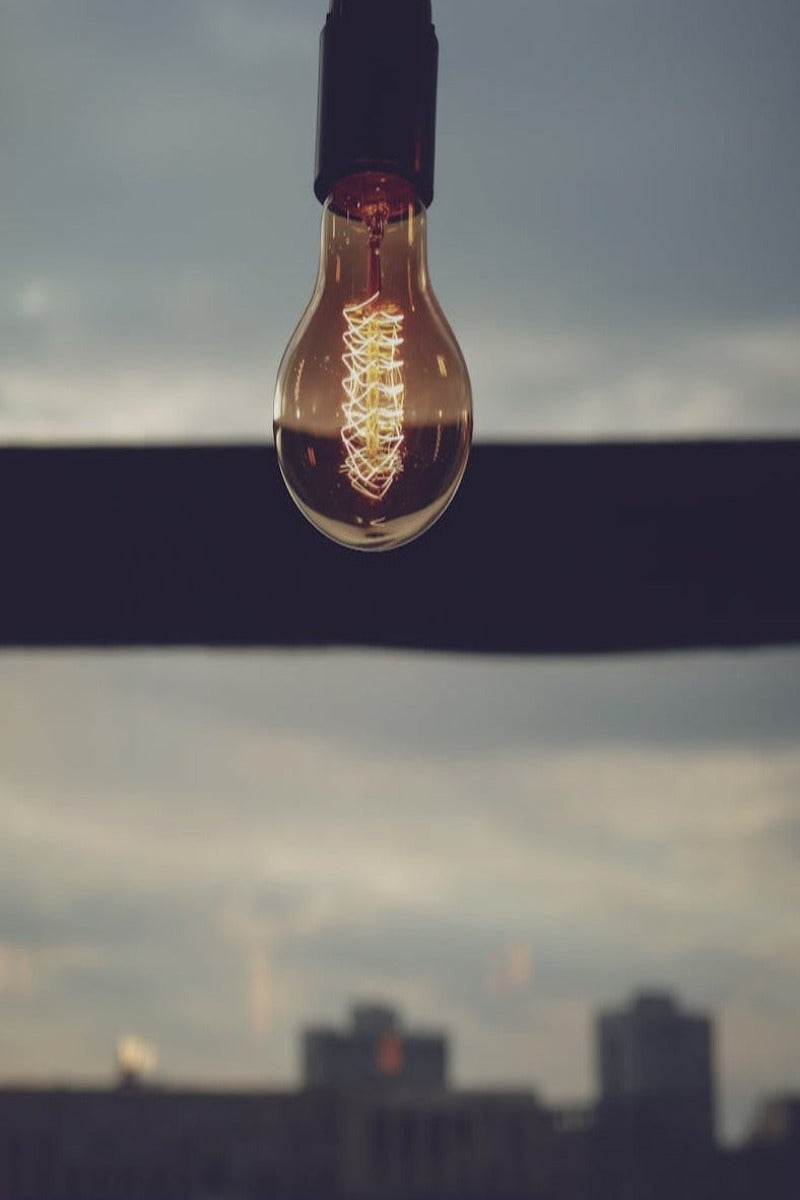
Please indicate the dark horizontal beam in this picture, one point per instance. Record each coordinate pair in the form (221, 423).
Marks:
(547, 549)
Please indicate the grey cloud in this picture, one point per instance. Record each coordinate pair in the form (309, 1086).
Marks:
(646, 169)
(398, 704)
(101, 916)
(165, 818)
(405, 701)
(779, 843)
(145, 150)
(622, 172)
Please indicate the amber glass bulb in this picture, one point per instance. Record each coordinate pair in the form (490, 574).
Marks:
(373, 407)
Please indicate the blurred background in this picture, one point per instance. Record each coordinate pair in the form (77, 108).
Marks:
(207, 849)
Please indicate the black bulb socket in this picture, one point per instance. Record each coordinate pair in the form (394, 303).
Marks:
(377, 93)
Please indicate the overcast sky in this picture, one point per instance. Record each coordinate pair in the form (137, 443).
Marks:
(207, 850)
(210, 850)
(614, 234)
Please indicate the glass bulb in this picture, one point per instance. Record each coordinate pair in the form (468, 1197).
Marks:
(373, 406)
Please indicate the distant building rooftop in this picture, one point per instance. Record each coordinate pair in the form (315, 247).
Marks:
(375, 1051)
(655, 1063)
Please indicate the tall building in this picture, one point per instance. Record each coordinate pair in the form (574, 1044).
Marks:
(654, 1067)
(374, 1052)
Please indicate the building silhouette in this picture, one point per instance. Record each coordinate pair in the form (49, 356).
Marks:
(152, 1143)
(374, 1052)
(148, 1143)
(655, 1067)
(374, 1129)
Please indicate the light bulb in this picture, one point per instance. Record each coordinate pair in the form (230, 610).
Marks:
(373, 407)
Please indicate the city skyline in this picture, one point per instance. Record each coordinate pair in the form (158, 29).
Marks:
(199, 848)
(645, 1052)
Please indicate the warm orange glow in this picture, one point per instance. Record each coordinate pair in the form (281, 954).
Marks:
(389, 1056)
(372, 429)
(135, 1057)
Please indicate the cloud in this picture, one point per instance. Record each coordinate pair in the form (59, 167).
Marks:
(512, 971)
(215, 858)
(527, 383)
(736, 380)
(638, 184)
(260, 992)
(132, 402)
(614, 242)
(16, 970)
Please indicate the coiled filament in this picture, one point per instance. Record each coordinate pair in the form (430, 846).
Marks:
(372, 427)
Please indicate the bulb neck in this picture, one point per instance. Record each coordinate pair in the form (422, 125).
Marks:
(374, 197)
(374, 240)
(377, 94)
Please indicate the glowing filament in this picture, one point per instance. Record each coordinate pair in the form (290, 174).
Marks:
(372, 430)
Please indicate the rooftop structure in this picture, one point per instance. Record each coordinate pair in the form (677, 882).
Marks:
(654, 1064)
(374, 1052)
